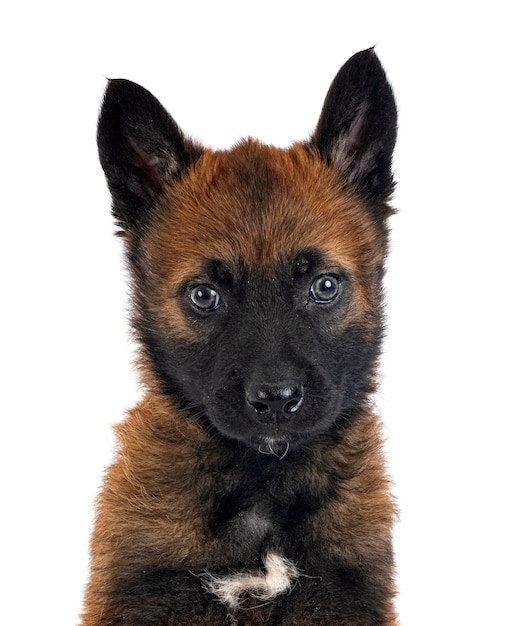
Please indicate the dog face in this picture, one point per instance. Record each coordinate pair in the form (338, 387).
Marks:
(257, 271)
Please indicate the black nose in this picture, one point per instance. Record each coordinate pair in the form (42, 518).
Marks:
(275, 401)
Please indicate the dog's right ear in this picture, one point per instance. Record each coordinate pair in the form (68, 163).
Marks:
(141, 148)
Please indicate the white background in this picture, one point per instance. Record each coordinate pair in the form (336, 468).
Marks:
(225, 70)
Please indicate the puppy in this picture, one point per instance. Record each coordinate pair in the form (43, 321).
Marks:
(249, 483)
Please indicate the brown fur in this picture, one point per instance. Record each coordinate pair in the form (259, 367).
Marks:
(148, 514)
(254, 207)
(304, 209)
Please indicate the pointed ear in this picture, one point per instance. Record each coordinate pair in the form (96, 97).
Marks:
(140, 147)
(358, 126)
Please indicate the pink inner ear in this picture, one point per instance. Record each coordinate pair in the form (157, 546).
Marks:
(151, 166)
(345, 152)
(349, 153)
(354, 138)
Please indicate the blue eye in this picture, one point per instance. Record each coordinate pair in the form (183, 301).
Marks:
(325, 288)
(204, 298)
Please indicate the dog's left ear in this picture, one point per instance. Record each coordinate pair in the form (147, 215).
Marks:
(357, 128)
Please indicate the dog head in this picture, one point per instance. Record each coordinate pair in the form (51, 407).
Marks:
(256, 272)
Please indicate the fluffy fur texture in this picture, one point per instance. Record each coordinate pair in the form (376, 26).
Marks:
(254, 456)
(277, 577)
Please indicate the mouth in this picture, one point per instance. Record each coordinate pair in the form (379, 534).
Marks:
(274, 433)
(278, 446)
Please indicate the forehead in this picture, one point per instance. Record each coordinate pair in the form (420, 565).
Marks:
(256, 207)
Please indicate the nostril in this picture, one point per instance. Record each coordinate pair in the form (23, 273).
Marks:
(293, 405)
(260, 407)
(276, 398)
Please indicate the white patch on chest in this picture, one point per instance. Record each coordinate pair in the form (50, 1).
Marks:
(277, 578)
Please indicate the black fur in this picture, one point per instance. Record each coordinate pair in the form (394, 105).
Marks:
(284, 335)
(278, 377)
(358, 126)
(333, 597)
(140, 148)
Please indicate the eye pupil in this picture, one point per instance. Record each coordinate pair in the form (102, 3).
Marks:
(326, 288)
(204, 298)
